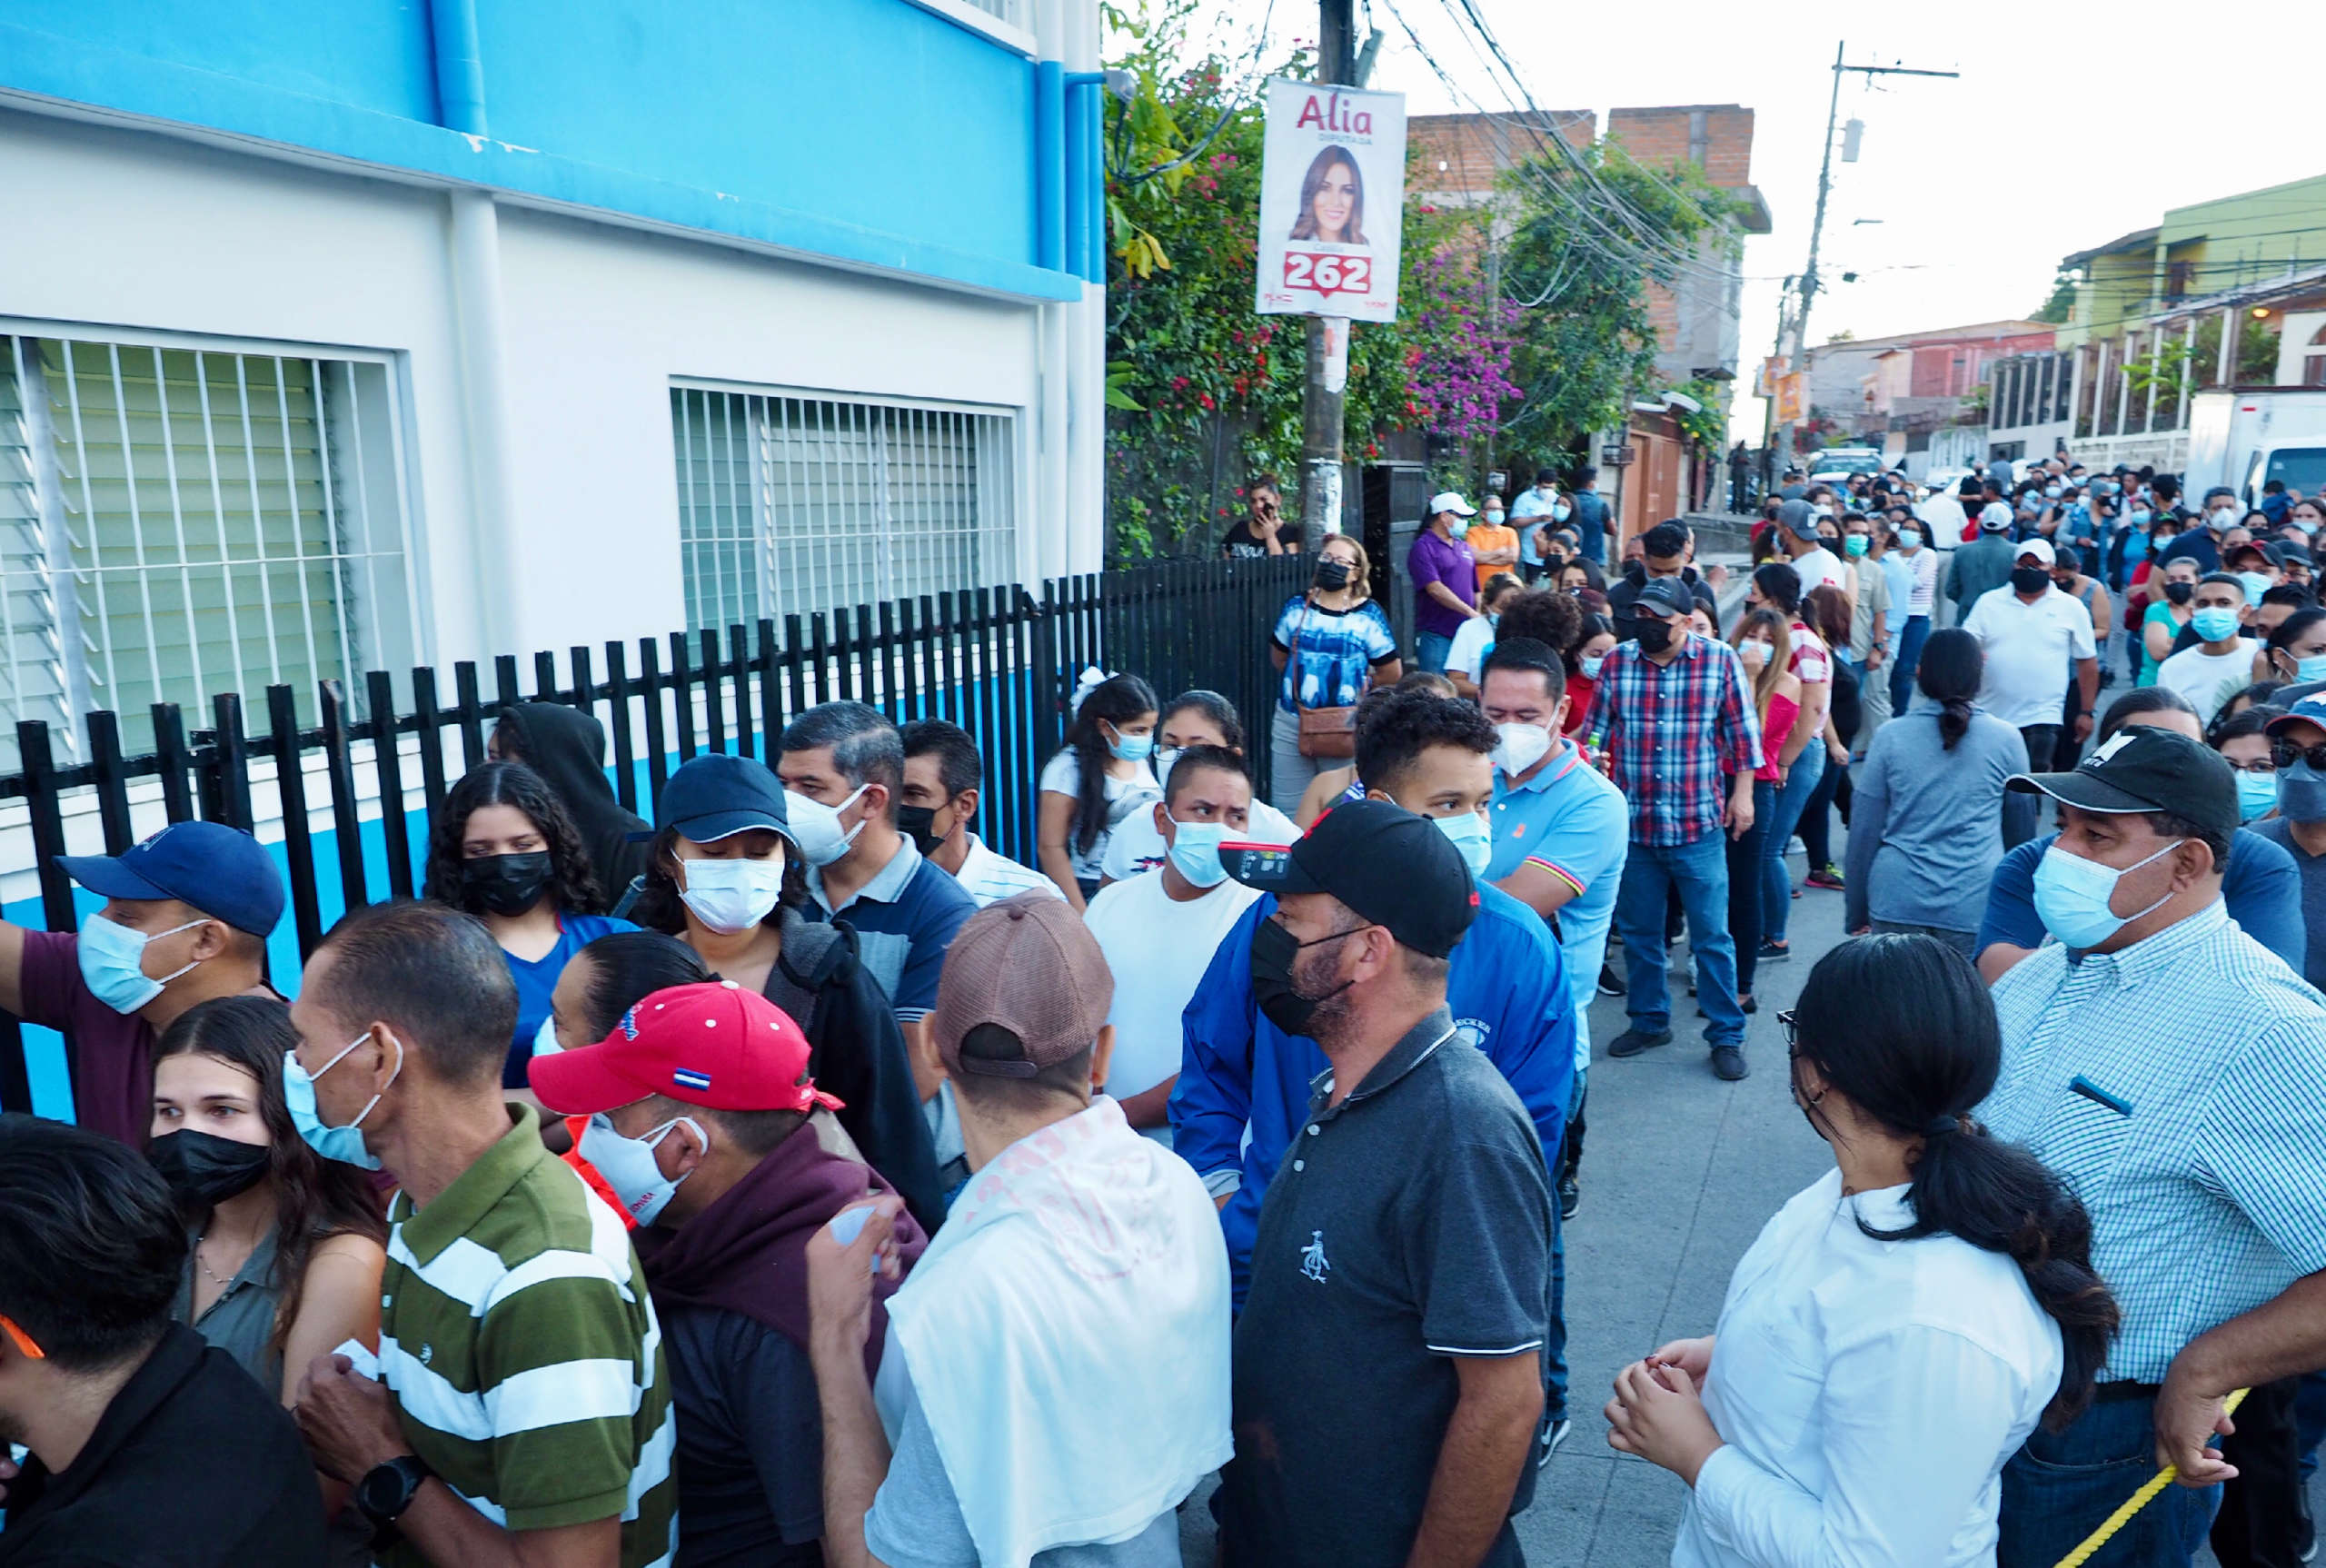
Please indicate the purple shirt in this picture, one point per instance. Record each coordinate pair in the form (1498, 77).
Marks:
(113, 1075)
(1450, 562)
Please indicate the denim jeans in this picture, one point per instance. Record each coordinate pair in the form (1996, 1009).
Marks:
(1430, 650)
(1700, 872)
(2309, 1421)
(1910, 655)
(1555, 1343)
(1793, 798)
(2058, 1488)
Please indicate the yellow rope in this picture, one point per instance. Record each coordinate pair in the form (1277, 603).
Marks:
(2135, 1502)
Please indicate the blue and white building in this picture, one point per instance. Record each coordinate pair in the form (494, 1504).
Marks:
(348, 335)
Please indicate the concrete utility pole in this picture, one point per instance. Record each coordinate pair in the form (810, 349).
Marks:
(1320, 404)
(1817, 225)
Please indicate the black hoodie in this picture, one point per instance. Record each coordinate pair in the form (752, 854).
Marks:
(567, 748)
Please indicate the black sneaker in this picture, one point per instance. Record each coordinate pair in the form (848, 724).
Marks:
(1552, 1439)
(1611, 984)
(1632, 1042)
(1727, 1064)
(1570, 1196)
(2305, 1533)
(1774, 952)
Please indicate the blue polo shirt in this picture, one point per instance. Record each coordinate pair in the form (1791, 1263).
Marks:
(1507, 992)
(1569, 820)
(537, 978)
(905, 918)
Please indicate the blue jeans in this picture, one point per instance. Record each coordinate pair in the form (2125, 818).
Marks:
(2309, 1421)
(1793, 798)
(1555, 1343)
(1910, 654)
(2058, 1488)
(1700, 872)
(1430, 650)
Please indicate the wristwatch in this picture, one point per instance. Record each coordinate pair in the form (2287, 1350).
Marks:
(387, 1490)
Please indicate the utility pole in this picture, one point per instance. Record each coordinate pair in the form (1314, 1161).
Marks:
(1326, 361)
(1817, 225)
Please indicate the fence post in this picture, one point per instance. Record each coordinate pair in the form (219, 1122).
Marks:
(112, 783)
(173, 759)
(47, 821)
(232, 759)
(649, 685)
(625, 755)
(298, 835)
(347, 826)
(431, 725)
(387, 760)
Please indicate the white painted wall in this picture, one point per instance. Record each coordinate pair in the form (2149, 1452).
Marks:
(125, 228)
(2294, 346)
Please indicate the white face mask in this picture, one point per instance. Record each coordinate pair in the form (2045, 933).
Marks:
(545, 1042)
(1519, 747)
(628, 1164)
(730, 896)
(815, 827)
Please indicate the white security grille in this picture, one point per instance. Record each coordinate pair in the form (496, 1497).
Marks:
(789, 505)
(176, 522)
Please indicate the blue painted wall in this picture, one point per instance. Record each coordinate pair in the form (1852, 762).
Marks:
(868, 130)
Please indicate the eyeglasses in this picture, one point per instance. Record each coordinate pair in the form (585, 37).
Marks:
(2258, 765)
(21, 1340)
(1790, 1022)
(2285, 754)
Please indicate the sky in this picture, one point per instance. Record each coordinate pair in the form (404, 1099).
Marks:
(2053, 140)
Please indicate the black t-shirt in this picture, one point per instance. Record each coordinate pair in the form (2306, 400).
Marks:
(193, 1465)
(1409, 1225)
(1242, 545)
(750, 1456)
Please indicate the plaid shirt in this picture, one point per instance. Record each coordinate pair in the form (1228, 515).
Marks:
(2179, 1087)
(1672, 730)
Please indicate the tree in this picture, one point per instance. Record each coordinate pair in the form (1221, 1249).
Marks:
(2061, 306)
(1593, 228)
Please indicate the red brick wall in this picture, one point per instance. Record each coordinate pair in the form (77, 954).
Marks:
(1659, 138)
(1475, 148)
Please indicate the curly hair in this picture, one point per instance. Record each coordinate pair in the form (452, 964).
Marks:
(1551, 616)
(572, 885)
(1407, 723)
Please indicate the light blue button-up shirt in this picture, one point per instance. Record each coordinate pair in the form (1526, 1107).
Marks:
(2179, 1087)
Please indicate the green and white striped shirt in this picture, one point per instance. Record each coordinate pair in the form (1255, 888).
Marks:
(519, 1343)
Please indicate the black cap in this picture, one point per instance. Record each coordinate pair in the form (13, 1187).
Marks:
(717, 796)
(1664, 596)
(2144, 768)
(1394, 868)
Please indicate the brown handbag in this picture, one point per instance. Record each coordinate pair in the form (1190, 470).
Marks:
(1327, 733)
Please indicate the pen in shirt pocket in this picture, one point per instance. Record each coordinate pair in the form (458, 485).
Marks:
(2100, 1096)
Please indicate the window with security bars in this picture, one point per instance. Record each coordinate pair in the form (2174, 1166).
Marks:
(789, 505)
(179, 521)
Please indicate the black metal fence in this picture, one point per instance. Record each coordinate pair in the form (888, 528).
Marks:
(1000, 663)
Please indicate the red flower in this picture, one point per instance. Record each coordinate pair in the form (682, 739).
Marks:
(1206, 400)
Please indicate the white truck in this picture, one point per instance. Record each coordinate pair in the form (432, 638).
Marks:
(2244, 437)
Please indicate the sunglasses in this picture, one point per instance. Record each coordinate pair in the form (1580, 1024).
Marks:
(2285, 753)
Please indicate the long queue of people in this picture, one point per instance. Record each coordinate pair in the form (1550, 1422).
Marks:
(795, 1179)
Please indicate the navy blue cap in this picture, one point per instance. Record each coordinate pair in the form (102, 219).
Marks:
(718, 795)
(207, 866)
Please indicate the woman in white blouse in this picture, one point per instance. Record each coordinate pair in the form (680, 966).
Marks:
(1902, 1325)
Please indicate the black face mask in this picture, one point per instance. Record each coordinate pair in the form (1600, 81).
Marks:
(918, 823)
(2180, 592)
(204, 1170)
(2030, 580)
(1273, 948)
(1332, 576)
(506, 884)
(1655, 636)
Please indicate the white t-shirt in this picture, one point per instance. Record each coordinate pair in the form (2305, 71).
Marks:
(2032, 649)
(1821, 568)
(2207, 679)
(1138, 844)
(1944, 519)
(1062, 775)
(1472, 643)
(1158, 949)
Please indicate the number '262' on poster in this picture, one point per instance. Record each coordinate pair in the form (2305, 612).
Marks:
(1332, 203)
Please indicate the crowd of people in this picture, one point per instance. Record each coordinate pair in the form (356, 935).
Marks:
(796, 1179)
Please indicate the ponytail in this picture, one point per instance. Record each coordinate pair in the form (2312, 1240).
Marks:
(1951, 665)
(1953, 721)
(1903, 1028)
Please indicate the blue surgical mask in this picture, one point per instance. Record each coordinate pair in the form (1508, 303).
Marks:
(545, 1043)
(2301, 794)
(345, 1144)
(2310, 667)
(2054, 490)
(1471, 836)
(1165, 757)
(2140, 516)
(1561, 511)
(2257, 795)
(1591, 663)
(1910, 538)
(2256, 585)
(1458, 526)
(1130, 748)
(2215, 624)
(113, 963)
(1195, 851)
(2071, 895)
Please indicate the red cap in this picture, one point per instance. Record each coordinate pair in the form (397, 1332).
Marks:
(713, 1045)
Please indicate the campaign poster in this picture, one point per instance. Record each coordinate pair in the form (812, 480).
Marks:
(1332, 202)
